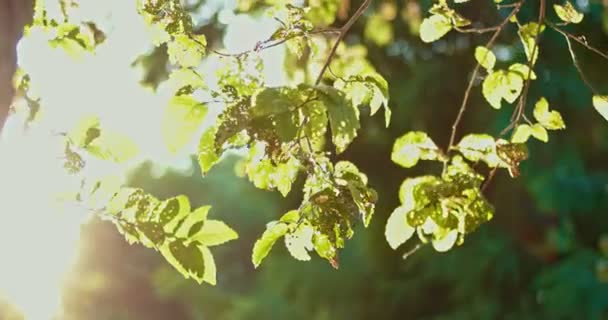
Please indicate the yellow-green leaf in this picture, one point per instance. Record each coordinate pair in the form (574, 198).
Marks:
(522, 70)
(528, 33)
(568, 13)
(479, 147)
(263, 245)
(412, 147)
(522, 133)
(299, 242)
(539, 132)
(113, 146)
(485, 57)
(186, 50)
(398, 231)
(551, 120)
(434, 27)
(500, 85)
(207, 154)
(447, 242)
(601, 105)
(182, 119)
(215, 232)
(209, 275)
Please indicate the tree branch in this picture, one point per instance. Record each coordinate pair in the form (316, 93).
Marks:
(341, 36)
(467, 92)
(14, 15)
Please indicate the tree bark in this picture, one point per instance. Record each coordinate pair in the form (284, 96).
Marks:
(14, 15)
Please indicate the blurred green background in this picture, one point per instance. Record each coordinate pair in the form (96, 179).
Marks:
(543, 256)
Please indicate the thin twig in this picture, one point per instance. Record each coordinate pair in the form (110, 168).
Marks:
(341, 36)
(578, 39)
(477, 30)
(467, 92)
(521, 105)
(578, 67)
(270, 42)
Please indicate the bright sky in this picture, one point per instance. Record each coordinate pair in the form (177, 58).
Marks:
(38, 238)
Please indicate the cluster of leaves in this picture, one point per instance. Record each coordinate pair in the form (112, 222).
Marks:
(443, 209)
(52, 19)
(325, 218)
(284, 128)
(183, 236)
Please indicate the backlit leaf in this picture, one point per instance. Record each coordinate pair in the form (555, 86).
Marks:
(299, 242)
(434, 27)
(551, 120)
(214, 233)
(568, 13)
(527, 34)
(186, 50)
(343, 118)
(539, 132)
(522, 70)
(522, 133)
(182, 119)
(262, 246)
(207, 153)
(500, 85)
(485, 57)
(601, 105)
(414, 146)
(186, 258)
(447, 242)
(398, 231)
(209, 275)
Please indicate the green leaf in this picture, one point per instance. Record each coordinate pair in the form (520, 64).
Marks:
(412, 147)
(551, 120)
(568, 13)
(209, 275)
(186, 258)
(191, 224)
(435, 27)
(186, 50)
(276, 100)
(214, 233)
(522, 70)
(207, 154)
(539, 132)
(398, 231)
(299, 242)
(522, 133)
(323, 246)
(527, 34)
(485, 57)
(262, 246)
(343, 117)
(182, 118)
(601, 105)
(500, 85)
(171, 211)
(292, 216)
